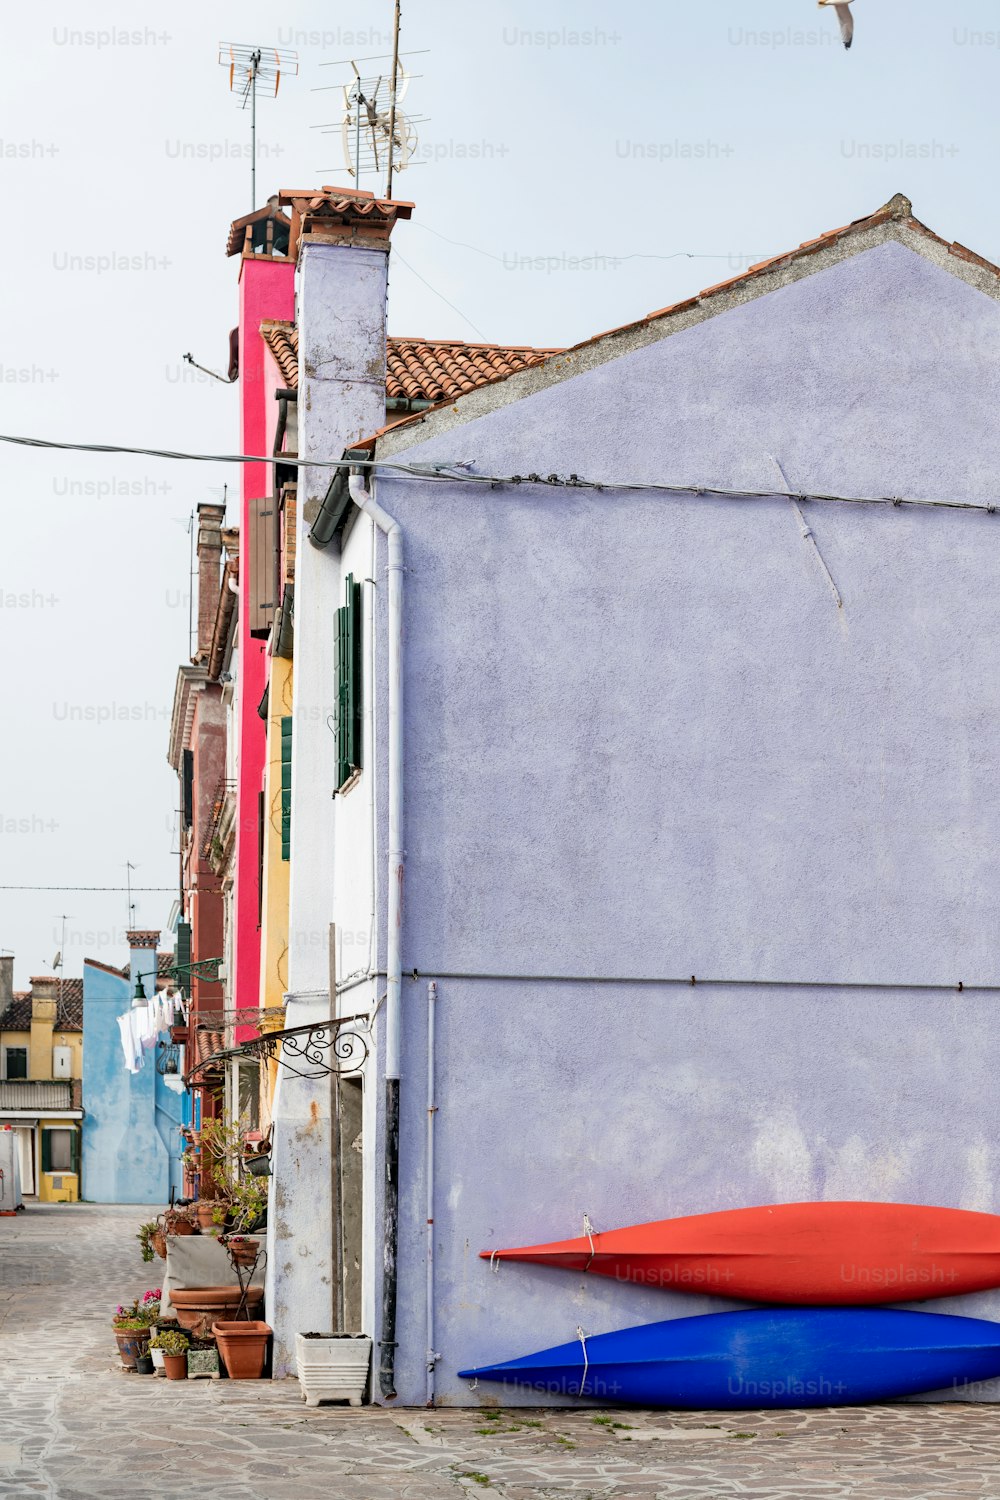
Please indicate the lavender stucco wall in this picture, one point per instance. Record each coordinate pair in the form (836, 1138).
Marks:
(643, 741)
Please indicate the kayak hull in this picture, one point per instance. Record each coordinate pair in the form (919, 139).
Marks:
(812, 1254)
(776, 1358)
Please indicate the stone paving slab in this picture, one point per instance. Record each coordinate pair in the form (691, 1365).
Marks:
(74, 1427)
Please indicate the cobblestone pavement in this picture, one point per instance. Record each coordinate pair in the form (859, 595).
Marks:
(73, 1427)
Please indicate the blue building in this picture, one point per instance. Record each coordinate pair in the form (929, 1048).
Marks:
(131, 1129)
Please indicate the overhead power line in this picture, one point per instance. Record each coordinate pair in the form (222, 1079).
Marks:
(159, 889)
(460, 472)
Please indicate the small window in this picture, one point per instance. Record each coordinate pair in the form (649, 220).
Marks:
(349, 684)
(286, 788)
(187, 787)
(57, 1150)
(16, 1062)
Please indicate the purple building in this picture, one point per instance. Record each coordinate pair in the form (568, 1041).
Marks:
(696, 784)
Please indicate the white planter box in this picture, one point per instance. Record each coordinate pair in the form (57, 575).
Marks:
(333, 1367)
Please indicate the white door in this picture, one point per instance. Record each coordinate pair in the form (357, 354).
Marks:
(27, 1159)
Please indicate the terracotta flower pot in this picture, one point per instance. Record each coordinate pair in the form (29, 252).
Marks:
(176, 1366)
(243, 1347)
(177, 1224)
(206, 1212)
(159, 1243)
(244, 1252)
(197, 1308)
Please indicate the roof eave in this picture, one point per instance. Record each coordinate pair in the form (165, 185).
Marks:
(893, 223)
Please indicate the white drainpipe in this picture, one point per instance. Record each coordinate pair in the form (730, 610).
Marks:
(394, 957)
(432, 1354)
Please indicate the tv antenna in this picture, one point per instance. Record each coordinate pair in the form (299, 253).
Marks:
(252, 69)
(377, 137)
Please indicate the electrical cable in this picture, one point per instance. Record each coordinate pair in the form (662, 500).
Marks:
(460, 472)
(159, 889)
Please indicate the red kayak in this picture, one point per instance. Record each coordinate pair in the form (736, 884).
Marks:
(803, 1253)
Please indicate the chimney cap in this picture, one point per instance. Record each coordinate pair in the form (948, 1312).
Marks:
(336, 215)
(143, 938)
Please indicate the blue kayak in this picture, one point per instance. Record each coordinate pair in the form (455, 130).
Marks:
(768, 1357)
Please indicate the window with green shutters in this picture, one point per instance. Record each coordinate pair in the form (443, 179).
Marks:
(349, 684)
(59, 1149)
(286, 788)
(184, 956)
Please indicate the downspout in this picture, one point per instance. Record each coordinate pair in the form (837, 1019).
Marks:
(432, 1355)
(394, 957)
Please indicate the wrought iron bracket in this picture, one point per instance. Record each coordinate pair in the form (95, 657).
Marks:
(315, 1051)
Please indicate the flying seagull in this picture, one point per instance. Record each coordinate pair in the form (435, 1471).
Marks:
(843, 9)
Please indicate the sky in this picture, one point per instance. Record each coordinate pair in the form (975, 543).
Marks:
(577, 167)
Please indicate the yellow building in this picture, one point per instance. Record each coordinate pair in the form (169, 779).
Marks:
(41, 1070)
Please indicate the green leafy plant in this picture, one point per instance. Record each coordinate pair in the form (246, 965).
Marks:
(241, 1196)
(171, 1341)
(145, 1235)
(138, 1314)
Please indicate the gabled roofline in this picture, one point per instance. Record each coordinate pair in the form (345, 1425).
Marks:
(894, 222)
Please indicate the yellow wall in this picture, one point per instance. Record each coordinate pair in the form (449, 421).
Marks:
(69, 1188)
(274, 905)
(43, 1016)
(40, 1042)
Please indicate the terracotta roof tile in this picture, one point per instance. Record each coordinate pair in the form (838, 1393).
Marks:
(283, 341)
(343, 214)
(421, 369)
(69, 1010)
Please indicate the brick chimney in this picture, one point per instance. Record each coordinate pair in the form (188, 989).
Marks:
(6, 982)
(210, 519)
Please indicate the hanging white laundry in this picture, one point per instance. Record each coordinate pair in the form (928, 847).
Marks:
(133, 1054)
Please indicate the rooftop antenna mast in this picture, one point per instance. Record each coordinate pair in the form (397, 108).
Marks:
(377, 137)
(393, 81)
(250, 69)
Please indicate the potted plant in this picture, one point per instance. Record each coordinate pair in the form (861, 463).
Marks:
(131, 1327)
(145, 1238)
(243, 1251)
(332, 1366)
(131, 1332)
(206, 1210)
(174, 1346)
(243, 1347)
(161, 1325)
(177, 1221)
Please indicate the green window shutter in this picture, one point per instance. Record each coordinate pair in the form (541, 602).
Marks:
(74, 1149)
(349, 683)
(184, 956)
(46, 1150)
(286, 788)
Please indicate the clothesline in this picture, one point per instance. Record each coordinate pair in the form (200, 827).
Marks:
(140, 1027)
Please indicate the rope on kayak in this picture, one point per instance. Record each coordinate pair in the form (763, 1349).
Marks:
(586, 1359)
(588, 1230)
(494, 1263)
